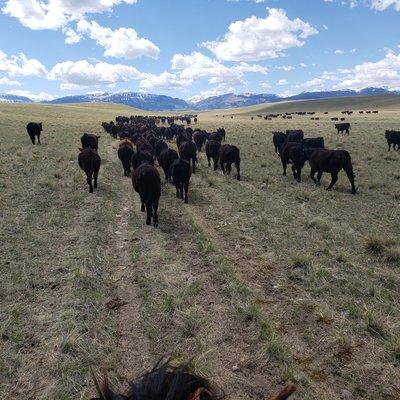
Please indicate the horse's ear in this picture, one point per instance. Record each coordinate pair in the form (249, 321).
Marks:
(285, 393)
(103, 388)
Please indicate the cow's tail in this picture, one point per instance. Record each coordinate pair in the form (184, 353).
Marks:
(347, 164)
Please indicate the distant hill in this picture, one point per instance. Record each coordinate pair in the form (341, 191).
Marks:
(153, 102)
(12, 98)
(143, 101)
(232, 100)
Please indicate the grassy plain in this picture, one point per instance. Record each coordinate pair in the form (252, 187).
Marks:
(258, 282)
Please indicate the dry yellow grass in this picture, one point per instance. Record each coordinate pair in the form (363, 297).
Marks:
(260, 281)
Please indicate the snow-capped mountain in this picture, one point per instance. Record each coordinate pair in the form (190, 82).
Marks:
(153, 102)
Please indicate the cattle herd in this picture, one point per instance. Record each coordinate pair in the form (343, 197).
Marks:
(142, 140)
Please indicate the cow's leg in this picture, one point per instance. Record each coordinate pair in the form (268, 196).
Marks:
(149, 209)
(89, 181)
(155, 215)
(334, 176)
(350, 174)
(209, 160)
(389, 146)
(38, 138)
(237, 164)
(298, 173)
(177, 190)
(222, 167)
(142, 208)
(181, 190)
(215, 163)
(186, 188)
(312, 175)
(96, 174)
(284, 165)
(294, 172)
(229, 168)
(194, 165)
(319, 176)
(32, 137)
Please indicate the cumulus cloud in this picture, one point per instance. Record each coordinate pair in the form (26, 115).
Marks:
(121, 42)
(20, 65)
(383, 73)
(42, 96)
(165, 81)
(6, 81)
(55, 14)
(74, 74)
(382, 5)
(256, 38)
(197, 65)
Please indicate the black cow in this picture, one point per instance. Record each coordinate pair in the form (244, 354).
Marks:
(140, 157)
(331, 161)
(393, 139)
(293, 153)
(314, 143)
(146, 181)
(34, 129)
(180, 173)
(188, 152)
(90, 140)
(165, 159)
(295, 135)
(199, 137)
(89, 161)
(229, 154)
(212, 152)
(125, 154)
(278, 138)
(341, 128)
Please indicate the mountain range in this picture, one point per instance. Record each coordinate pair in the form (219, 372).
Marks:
(153, 102)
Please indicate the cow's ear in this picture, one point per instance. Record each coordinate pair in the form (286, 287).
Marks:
(80, 149)
(98, 137)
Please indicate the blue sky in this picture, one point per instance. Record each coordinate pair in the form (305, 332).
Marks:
(197, 48)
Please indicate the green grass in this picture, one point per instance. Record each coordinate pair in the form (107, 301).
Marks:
(284, 280)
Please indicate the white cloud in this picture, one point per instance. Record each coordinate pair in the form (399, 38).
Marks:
(339, 51)
(256, 38)
(382, 5)
(384, 73)
(71, 37)
(20, 65)
(82, 73)
(265, 85)
(197, 65)
(121, 42)
(6, 81)
(165, 81)
(42, 96)
(282, 82)
(55, 14)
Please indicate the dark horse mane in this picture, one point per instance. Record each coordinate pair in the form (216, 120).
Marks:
(168, 382)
